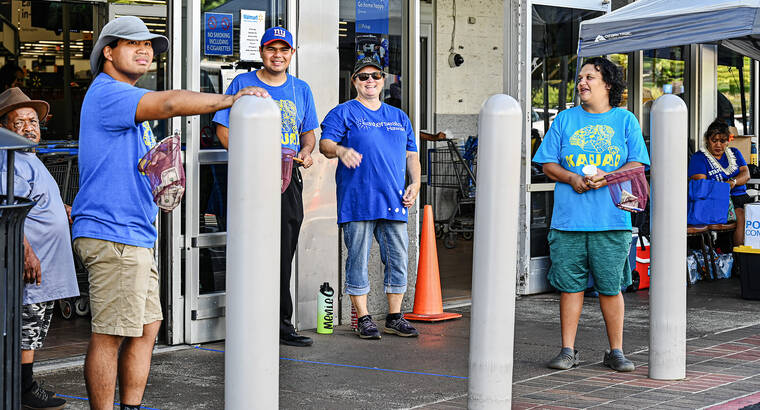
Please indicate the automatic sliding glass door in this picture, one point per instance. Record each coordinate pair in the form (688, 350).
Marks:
(204, 222)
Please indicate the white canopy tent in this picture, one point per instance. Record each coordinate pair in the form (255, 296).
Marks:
(652, 24)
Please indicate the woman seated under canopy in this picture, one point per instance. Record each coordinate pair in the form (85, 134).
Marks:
(716, 161)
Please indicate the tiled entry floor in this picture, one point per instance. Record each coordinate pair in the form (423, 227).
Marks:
(718, 372)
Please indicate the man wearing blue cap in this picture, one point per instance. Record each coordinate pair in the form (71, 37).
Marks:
(114, 212)
(299, 120)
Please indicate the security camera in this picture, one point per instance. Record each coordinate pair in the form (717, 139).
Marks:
(455, 60)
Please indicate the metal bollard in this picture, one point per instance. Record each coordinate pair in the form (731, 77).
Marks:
(251, 361)
(667, 292)
(495, 254)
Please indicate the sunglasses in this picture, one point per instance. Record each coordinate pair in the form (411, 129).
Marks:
(377, 76)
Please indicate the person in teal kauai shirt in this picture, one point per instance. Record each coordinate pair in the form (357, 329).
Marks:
(589, 235)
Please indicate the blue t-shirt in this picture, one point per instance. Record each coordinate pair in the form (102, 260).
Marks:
(46, 227)
(296, 104)
(609, 141)
(374, 189)
(114, 202)
(700, 165)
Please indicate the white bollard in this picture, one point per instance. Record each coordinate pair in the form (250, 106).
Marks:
(251, 360)
(667, 291)
(495, 254)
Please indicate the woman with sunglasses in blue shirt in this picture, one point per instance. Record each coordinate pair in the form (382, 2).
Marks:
(376, 147)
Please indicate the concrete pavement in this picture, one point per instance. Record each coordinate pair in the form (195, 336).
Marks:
(343, 372)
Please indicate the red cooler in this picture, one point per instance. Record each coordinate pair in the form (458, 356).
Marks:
(642, 263)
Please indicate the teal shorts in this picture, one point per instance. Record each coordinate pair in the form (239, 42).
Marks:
(604, 254)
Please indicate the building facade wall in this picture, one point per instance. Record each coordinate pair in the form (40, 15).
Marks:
(317, 64)
(478, 38)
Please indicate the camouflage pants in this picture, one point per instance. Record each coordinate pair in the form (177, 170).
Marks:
(35, 322)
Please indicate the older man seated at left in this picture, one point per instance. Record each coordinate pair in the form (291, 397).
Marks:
(48, 262)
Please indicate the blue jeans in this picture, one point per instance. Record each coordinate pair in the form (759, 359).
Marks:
(393, 240)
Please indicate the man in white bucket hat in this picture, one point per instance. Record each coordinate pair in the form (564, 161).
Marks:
(114, 212)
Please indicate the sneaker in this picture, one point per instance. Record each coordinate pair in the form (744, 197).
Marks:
(368, 328)
(566, 359)
(615, 360)
(38, 398)
(400, 327)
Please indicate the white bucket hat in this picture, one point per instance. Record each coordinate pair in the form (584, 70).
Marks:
(128, 28)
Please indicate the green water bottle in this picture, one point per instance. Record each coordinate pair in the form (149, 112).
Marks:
(325, 309)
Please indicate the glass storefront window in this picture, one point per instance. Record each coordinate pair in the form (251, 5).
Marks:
(216, 73)
(218, 70)
(554, 60)
(213, 218)
(621, 60)
(734, 85)
(376, 34)
(553, 71)
(53, 62)
(664, 73)
(42, 54)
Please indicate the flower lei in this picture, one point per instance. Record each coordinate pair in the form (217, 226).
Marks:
(716, 165)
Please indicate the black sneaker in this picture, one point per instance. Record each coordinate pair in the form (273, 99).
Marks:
(566, 359)
(368, 328)
(400, 327)
(38, 398)
(615, 360)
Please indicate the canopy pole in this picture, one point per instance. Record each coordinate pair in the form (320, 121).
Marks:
(578, 62)
(743, 98)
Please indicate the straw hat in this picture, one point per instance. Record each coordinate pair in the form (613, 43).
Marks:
(14, 98)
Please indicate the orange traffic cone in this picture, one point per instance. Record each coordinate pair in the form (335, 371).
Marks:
(428, 305)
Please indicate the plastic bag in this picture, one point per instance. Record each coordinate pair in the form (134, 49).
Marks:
(699, 269)
(629, 189)
(693, 268)
(731, 211)
(163, 167)
(723, 264)
(287, 167)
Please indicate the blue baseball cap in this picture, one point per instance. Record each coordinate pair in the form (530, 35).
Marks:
(277, 34)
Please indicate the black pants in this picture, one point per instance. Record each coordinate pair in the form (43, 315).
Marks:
(291, 216)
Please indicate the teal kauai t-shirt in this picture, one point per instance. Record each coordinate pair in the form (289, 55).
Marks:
(609, 141)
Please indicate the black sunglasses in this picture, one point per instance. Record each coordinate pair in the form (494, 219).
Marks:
(377, 75)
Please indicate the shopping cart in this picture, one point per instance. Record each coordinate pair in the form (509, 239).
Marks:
(454, 170)
(63, 165)
(64, 168)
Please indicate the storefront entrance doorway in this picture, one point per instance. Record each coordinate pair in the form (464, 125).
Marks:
(196, 235)
(50, 61)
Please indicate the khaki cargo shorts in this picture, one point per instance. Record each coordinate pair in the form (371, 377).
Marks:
(124, 289)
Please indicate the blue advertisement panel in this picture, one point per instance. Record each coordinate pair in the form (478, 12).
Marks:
(218, 34)
(372, 16)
